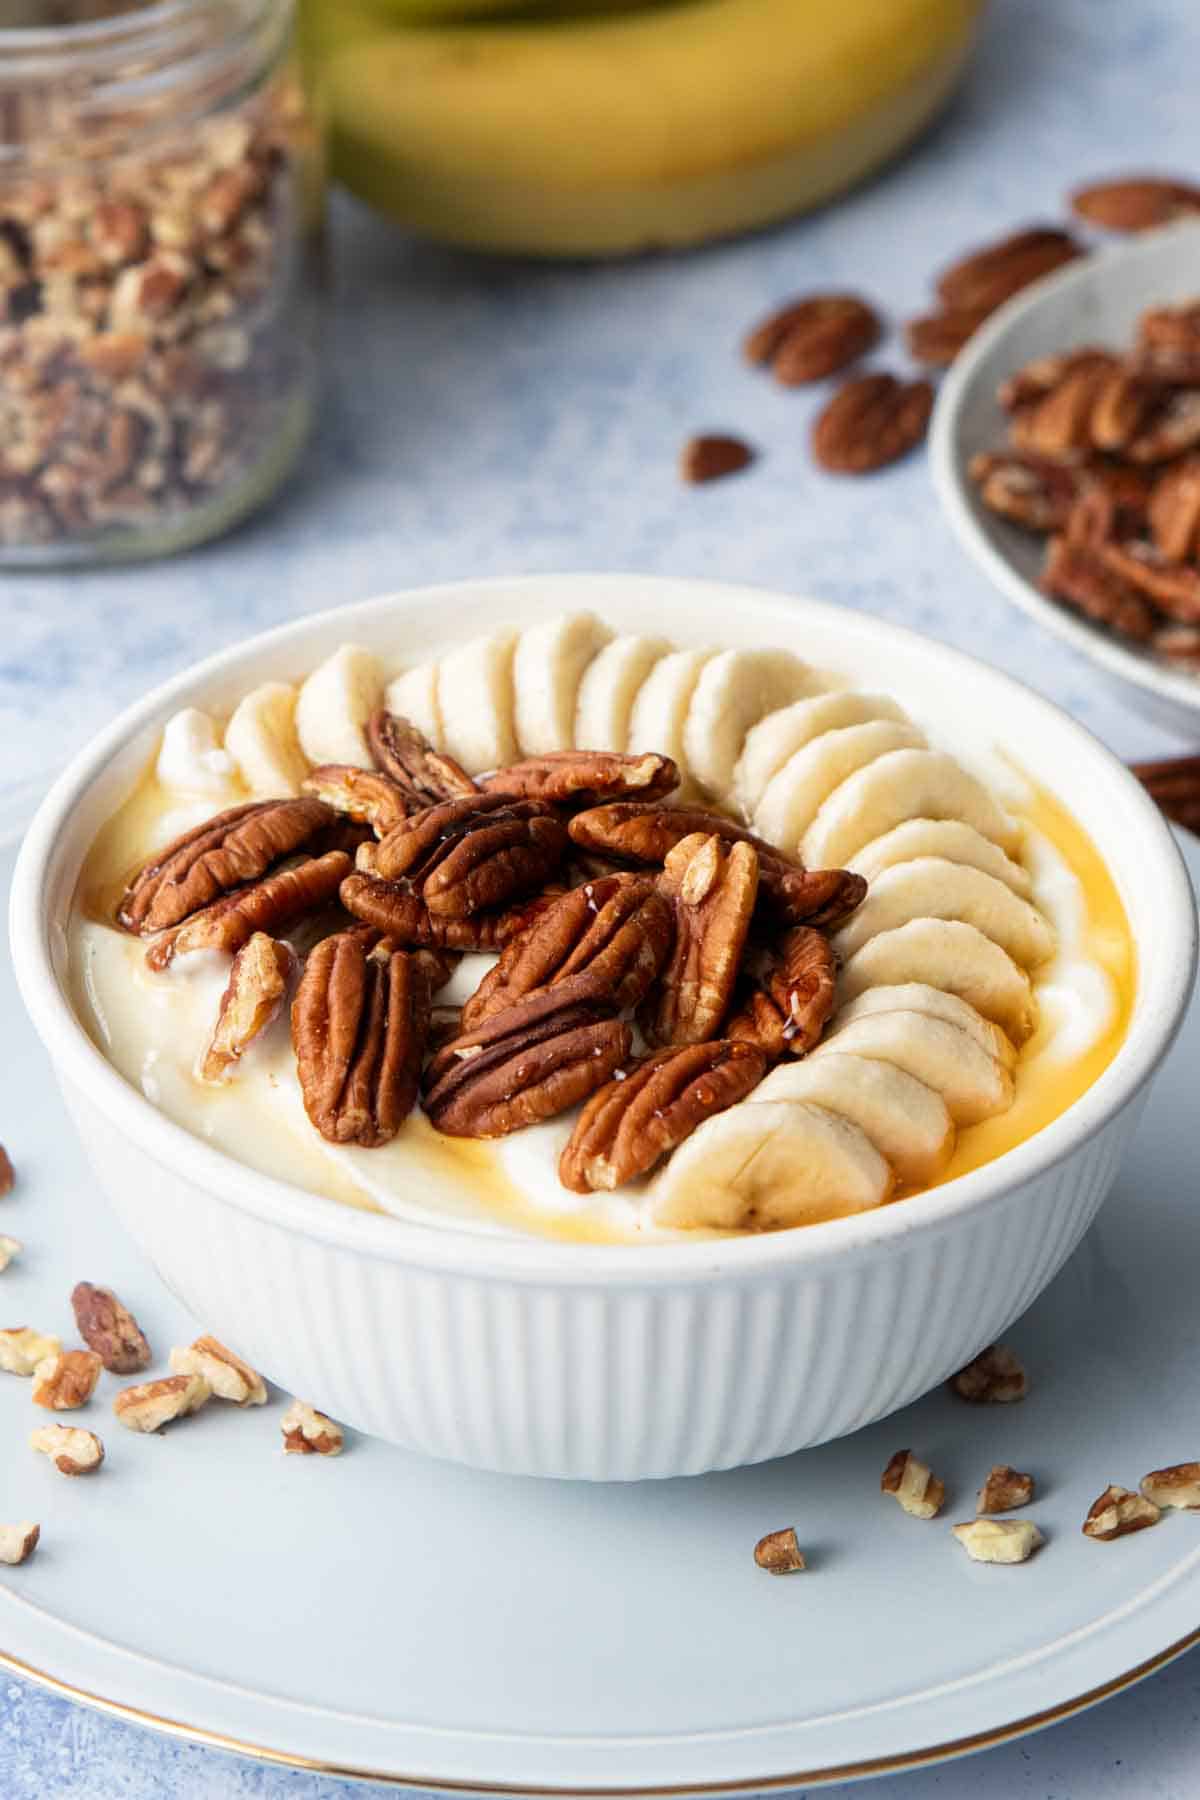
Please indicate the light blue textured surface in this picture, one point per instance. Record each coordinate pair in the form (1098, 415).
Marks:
(486, 418)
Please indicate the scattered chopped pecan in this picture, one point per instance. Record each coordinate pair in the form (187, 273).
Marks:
(152, 1404)
(72, 1450)
(711, 456)
(999, 1540)
(307, 1432)
(427, 776)
(7, 1178)
(789, 1006)
(648, 1110)
(585, 777)
(617, 931)
(986, 277)
(269, 905)
(1174, 784)
(359, 1025)
(110, 1329)
(66, 1380)
(364, 795)
(937, 338)
(226, 852)
(918, 1491)
(1078, 574)
(392, 907)
(1174, 510)
(473, 854)
(1175, 1486)
(535, 1059)
(1036, 492)
(1135, 202)
(1118, 1511)
(18, 1542)
(712, 886)
(779, 1553)
(22, 1349)
(870, 421)
(995, 1377)
(226, 1374)
(10, 1247)
(258, 982)
(814, 337)
(1004, 1490)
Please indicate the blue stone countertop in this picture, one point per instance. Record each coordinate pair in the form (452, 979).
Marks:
(492, 417)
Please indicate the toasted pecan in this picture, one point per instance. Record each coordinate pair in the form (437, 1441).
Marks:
(226, 852)
(110, 1329)
(254, 993)
(1135, 202)
(988, 276)
(813, 337)
(712, 885)
(791, 996)
(425, 775)
(473, 854)
(585, 777)
(270, 905)
(870, 421)
(364, 795)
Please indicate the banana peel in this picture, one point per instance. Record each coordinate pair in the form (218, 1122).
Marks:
(608, 134)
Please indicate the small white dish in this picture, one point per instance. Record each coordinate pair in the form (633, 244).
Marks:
(1095, 301)
(388, 1616)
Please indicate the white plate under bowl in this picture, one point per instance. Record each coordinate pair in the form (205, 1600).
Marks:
(1095, 301)
(390, 1616)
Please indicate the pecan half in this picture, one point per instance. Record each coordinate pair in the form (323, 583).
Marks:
(936, 338)
(474, 854)
(1034, 380)
(1180, 644)
(986, 277)
(814, 337)
(364, 795)
(713, 455)
(392, 908)
(1174, 785)
(793, 996)
(1172, 427)
(236, 847)
(1062, 421)
(617, 931)
(258, 982)
(527, 1063)
(648, 1110)
(1173, 587)
(871, 420)
(110, 1329)
(1078, 574)
(1174, 510)
(1123, 403)
(424, 774)
(269, 905)
(359, 1024)
(1135, 202)
(712, 886)
(585, 777)
(1035, 492)
(1168, 337)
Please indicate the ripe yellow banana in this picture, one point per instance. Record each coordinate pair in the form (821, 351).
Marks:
(607, 134)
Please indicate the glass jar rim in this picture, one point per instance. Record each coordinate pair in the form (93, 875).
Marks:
(42, 51)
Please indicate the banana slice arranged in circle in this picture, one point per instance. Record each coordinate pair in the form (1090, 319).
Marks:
(945, 953)
(261, 738)
(903, 784)
(548, 666)
(777, 1163)
(609, 688)
(334, 704)
(932, 888)
(413, 695)
(973, 1084)
(771, 742)
(916, 996)
(908, 1123)
(795, 795)
(475, 693)
(735, 690)
(661, 705)
(950, 838)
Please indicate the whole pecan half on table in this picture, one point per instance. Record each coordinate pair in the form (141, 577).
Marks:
(424, 775)
(359, 1025)
(649, 1109)
(712, 886)
(226, 852)
(270, 905)
(1135, 202)
(473, 854)
(585, 777)
(870, 421)
(535, 1059)
(617, 931)
(988, 276)
(792, 995)
(813, 337)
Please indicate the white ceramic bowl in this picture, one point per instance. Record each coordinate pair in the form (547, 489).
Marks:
(611, 1363)
(1095, 301)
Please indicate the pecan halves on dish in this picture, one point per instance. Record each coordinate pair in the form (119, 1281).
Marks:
(225, 852)
(643, 1114)
(258, 982)
(359, 1025)
(1063, 420)
(1173, 587)
(1035, 492)
(712, 886)
(363, 795)
(1174, 510)
(474, 854)
(270, 905)
(1078, 574)
(393, 909)
(789, 1006)
(527, 1063)
(424, 774)
(617, 931)
(586, 777)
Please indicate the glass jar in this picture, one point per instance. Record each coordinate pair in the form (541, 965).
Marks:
(160, 226)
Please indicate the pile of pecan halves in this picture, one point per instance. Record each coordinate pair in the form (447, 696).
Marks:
(606, 904)
(1104, 458)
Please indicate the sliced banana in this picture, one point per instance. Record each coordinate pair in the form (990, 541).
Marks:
(916, 996)
(661, 706)
(190, 757)
(609, 687)
(796, 794)
(334, 704)
(907, 1122)
(973, 1084)
(475, 694)
(905, 784)
(945, 953)
(261, 738)
(940, 837)
(413, 695)
(932, 888)
(547, 669)
(774, 739)
(736, 689)
(775, 1164)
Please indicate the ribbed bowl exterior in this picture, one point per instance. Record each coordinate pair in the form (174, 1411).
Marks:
(620, 1379)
